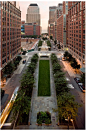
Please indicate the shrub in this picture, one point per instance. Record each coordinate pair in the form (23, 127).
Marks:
(39, 121)
(47, 121)
(43, 116)
(40, 43)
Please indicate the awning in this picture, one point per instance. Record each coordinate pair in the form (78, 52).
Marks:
(82, 70)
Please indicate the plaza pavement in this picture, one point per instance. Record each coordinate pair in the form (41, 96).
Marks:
(43, 103)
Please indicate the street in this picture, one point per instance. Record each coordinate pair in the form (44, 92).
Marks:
(79, 97)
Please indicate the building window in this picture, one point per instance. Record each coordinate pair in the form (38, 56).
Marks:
(79, 31)
(79, 45)
(80, 6)
(79, 54)
(79, 36)
(80, 50)
(83, 47)
(83, 36)
(83, 31)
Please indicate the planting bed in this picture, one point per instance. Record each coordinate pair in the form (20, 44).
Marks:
(43, 117)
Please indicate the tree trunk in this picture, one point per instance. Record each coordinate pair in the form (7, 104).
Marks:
(15, 120)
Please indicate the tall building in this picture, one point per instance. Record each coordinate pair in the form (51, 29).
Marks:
(10, 32)
(51, 21)
(57, 14)
(62, 25)
(33, 15)
(54, 13)
(76, 31)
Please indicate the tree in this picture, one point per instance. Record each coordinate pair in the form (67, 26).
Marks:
(24, 52)
(27, 82)
(69, 57)
(54, 58)
(40, 43)
(59, 47)
(55, 42)
(21, 49)
(51, 37)
(66, 54)
(9, 68)
(59, 75)
(61, 85)
(21, 105)
(48, 43)
(56, 67)
(67, 107)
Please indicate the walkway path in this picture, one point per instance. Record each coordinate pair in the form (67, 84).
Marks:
(43, 104)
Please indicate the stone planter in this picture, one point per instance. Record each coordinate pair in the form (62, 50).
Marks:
(38, 124)
(43, 124)
(47, 124)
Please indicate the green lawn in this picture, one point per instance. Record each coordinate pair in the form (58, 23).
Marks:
(44, 78)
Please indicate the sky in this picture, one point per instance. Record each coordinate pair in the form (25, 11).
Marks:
(44, 10)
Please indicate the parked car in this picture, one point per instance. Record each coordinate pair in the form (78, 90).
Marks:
(77, 79)
(81, 86)
(24, 61)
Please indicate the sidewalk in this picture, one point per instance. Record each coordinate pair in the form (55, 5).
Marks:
(18, 70)
(70, 70)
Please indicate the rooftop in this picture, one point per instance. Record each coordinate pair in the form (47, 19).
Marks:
(33, 5)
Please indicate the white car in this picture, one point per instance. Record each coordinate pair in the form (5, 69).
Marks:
(67, 79)
(70, 86)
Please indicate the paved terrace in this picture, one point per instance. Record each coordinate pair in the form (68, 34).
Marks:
(43, 103)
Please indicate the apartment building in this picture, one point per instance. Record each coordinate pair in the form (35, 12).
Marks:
(76, 31)
(30, 29)
(51, 21)
(10, 28)
(57, 14)
(33, 14)
(62, 25)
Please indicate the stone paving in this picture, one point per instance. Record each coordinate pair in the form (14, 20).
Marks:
(43, 103)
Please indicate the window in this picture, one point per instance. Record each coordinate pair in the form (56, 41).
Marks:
(79, 54)
(79, 31)
(80, 50)
(80, 6)
(83, 31)
(83, 36)
(79, 45)
(79, 36)
(83, 47)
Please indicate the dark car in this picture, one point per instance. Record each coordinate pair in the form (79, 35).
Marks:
(81, 86)
(77, 79)
(24, 61)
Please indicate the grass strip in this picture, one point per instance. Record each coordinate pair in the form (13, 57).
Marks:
(44, 78)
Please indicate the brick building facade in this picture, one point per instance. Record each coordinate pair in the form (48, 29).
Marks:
(76, 32)
(30, 29)
(10, 17)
